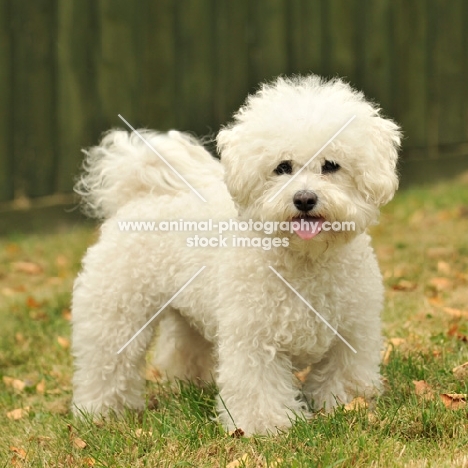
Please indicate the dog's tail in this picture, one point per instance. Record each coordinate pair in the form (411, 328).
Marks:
(127, 165)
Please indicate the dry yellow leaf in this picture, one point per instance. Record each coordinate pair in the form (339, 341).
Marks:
(239, 462)
(302, 374)
(20, 452)
(29, 268)
(461, 371)
(16, 384)
(141, 433)
(437, 252)
(18, 413)
(79, 443)
(40, 387)
(441, 283)
(404, 285)
(454, 400)
(423, 390)
(63, 342)
(66, 314)
(356, 404)
(455, 313)
(444, 267)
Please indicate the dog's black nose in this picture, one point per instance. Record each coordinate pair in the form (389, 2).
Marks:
(305, 200)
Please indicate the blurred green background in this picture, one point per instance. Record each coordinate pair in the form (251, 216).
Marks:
(68, 67)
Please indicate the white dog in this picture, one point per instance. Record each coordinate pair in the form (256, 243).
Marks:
(253, 315)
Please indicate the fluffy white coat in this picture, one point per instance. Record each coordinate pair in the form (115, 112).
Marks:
(238, 323)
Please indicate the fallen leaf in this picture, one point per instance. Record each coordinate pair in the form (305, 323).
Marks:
(19, 451)
(29, 268)
(152, 374)
(66, 314)
(237, 434)
(18, 413)
(356, 404)
(61, 261)
(63, 342)
(437, 252)
(423, 389)
(436, 301)
(455, 313)
(32, 303)
(302, 374)
(461, 371)
(141, 433)
(12, 249)
(89, 461)
(54, 280)
(444, 215)
(276, 463)
(404, 285)
(38, 315)
(16, 384)
(240, 462)
(441, 283)
(19, 338)
(444, 267)
(454, 400)
(79, 443)
(453, 332)
(43, 440)
(40, 387)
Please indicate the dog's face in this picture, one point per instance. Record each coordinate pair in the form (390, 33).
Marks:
(272, 174)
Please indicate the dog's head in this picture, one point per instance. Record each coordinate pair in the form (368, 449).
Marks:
(304, 148)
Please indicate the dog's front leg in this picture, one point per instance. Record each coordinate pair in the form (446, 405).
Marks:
(257, 391)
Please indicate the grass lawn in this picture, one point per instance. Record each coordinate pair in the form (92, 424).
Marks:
(422, 245)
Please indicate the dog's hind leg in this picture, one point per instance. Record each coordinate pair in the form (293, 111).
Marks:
(181, 352)
(108, 366)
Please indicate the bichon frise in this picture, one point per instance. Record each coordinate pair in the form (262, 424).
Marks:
(303, 151)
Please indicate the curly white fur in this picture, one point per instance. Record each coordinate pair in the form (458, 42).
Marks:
(237, 322)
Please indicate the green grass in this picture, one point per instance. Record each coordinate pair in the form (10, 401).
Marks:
(422, 247)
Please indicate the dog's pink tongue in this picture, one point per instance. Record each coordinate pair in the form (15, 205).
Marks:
(307, 228)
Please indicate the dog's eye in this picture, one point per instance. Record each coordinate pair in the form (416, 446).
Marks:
(329, 167)
(284, 167)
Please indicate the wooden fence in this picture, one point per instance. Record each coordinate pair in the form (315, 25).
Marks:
(68, 67)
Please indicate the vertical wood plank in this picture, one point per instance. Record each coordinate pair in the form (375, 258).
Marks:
(34, 134)
(451, 80)
(195, 65)
(375, 53)
(269, 50)
(157, 94)
(6, 104)
(304, 37)
(341, 51)
(409, 73)
(465, 70)
(118, 69)
(77, 97)
(232, 53)
(432, 94)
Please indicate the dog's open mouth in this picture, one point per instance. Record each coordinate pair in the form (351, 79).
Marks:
(307, 227)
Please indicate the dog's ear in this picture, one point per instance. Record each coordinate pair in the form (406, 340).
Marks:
(229, 148)
(376, 177)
